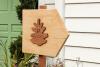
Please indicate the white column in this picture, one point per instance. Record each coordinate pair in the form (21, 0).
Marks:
(59, 5)
(41, 2)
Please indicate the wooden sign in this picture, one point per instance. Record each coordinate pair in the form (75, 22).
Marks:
(44, 32)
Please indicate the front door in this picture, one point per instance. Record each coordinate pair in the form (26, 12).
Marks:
(10, 27)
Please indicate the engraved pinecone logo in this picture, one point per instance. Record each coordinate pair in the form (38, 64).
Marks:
(39, 37)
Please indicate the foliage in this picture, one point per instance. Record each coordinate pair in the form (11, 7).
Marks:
(3, 45)
(26, 4)
(22, 59)
(15, 49)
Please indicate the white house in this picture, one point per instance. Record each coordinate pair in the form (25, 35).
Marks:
(82, 18)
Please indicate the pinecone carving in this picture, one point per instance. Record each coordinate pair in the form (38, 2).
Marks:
(39, 37)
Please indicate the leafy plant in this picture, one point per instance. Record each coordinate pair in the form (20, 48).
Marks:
(16, 50)
(3, 45)
(25, 4)
(19, 58)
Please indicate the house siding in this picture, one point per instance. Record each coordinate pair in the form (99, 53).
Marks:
(82, 20)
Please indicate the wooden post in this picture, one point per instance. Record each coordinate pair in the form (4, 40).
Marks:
(42, 59)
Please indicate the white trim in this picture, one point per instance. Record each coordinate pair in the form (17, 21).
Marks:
(59, 5)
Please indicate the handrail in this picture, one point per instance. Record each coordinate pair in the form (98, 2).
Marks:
(82, 3)
(82, 47)
(50, 4)
(84, 32)
(82, 17)
(82, 61)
